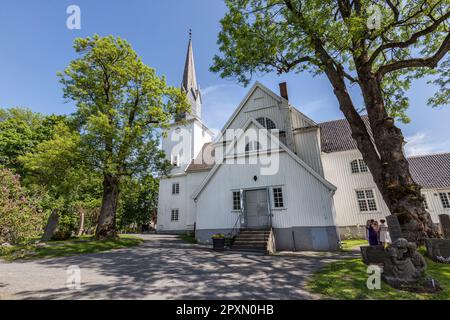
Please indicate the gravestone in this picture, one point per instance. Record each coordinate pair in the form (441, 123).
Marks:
(50, 228)
(444, 220)
(395, 231)
(437, 248)
(373, 254)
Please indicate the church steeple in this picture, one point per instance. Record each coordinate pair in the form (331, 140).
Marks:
(189, 83)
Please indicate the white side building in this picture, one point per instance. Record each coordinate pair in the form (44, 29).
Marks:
(357, 198)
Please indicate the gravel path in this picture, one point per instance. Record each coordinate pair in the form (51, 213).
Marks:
(164, 267)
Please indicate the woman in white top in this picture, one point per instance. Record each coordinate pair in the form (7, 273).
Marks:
(384, 233)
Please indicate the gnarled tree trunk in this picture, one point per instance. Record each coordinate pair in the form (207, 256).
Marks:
(106, 227)
(392, 175)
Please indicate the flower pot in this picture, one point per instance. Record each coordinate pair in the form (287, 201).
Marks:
(218, 244)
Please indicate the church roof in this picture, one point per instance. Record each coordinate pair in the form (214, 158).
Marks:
(336, 135)
(431, 171)
(205, 159)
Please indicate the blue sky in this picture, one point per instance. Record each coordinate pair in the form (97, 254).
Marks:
(35, 44)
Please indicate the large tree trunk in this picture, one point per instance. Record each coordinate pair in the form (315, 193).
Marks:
(106, 227)
(392, 176)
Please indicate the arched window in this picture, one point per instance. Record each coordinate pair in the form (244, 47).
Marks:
(359, 166)
(252, 146)
(266, 123)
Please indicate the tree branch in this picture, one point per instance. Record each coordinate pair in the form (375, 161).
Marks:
(430, 62)
(413, 39)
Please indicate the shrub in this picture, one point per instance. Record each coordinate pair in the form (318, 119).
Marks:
(20, 215)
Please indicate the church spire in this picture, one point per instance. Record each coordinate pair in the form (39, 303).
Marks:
(189, 83)
(189, 75)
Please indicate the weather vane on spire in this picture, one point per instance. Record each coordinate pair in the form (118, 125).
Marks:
(190, 34)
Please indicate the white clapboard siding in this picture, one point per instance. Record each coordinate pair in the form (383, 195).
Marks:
(183, 201)
(338, 171)
(259, 104)
(308, 148)
(307, 200)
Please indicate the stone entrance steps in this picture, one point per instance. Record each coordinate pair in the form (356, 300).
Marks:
(252, 240)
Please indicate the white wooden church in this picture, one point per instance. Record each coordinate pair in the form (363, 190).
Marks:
(279, 181)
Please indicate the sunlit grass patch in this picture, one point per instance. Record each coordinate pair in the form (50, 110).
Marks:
(84, 244)
(346, 279)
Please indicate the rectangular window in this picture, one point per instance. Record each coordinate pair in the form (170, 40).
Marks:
(424, 203)
(176, 188)
(175, 215)
(278, 201)
(236, 200)
(362, 166)
(366, 200)
(354, 166)
(359, 166)
(175, 162)
(445, 199)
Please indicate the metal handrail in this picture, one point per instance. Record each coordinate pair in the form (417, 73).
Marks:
(235, 228)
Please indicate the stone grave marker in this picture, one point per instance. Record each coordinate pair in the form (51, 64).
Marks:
(373, 254)
(444, 220)
(395, 231)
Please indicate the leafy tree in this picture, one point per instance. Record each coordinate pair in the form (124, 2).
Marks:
(58, 165)
(139, 201)
(21, 217)
(121, 103)
(378, 46)
(21, 130)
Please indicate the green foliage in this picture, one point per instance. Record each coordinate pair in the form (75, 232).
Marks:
(121, 104)
(21, 131)
(138, 202)
(260, 36)
(21, 217)
(58, 166)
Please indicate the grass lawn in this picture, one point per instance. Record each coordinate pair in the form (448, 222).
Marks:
(85, 244)
(188, 238)
(349, 244)
(346, 280)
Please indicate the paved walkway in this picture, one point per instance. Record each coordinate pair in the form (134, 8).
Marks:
(164, 267)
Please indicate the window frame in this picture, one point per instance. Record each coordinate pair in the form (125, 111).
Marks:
(446, 205)
(172, 211)
(175, 161)
(359, 165)
(283, 198)
(175, 188)
(267, 120)
(233, 199)
(367, 200)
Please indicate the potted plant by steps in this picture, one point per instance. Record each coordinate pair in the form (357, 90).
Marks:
(218, 242)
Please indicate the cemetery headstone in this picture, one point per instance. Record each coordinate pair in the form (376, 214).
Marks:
(395, 231)
(373, 254)
(444, 220)
(50, 228)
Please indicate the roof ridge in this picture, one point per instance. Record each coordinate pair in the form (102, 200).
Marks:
(429, 155)
(342, 119)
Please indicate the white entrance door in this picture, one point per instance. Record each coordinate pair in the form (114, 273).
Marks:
(256, 209)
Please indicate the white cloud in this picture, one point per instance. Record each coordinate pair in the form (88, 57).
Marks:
(421, 143)
(211, 89)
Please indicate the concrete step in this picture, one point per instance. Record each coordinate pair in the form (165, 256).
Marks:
(252, 236)
(249, 248)
(250, 242)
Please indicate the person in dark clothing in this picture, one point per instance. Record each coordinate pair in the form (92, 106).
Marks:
(373, 234)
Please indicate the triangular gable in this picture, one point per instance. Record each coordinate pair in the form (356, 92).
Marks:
(283, 147)
(255, 86)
